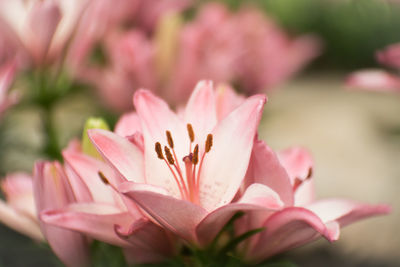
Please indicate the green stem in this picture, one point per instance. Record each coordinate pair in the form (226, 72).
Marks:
(51, 148)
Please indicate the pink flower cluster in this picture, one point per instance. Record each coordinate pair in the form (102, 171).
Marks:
(166, 179)
(245, 47)
(379, 80)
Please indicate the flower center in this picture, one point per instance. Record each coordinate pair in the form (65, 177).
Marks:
(188, 184)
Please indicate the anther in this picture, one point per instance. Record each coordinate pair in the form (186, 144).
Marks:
(310, 173)
(195, 158)
(209, 142)
(170, 158)
(190, 132)
(159, 150)
(169, 139)
(103, 178)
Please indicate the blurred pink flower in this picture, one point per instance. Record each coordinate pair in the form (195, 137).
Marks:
(19, 211)
(379, 80)
(246, 47)
(7, 99)
(52, 191)
(40, 29)
(289, 174)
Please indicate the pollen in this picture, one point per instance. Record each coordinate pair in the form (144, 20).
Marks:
(170, 158)
(190, 132)
(195, 158)
(209, 142)
(103, 178)
(159, 150)
(169, 139)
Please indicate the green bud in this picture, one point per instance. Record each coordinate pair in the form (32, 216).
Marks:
(87, 147)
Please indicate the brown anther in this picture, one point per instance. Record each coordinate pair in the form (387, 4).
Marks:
(103, 178)
(190, 132)
(195, 158)
(310, 173)
(170, 158)
(169, 139)
(209, 142)
(159, 150)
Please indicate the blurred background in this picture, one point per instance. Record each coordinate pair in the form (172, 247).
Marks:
(354, 135)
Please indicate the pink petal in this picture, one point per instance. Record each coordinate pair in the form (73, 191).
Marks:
(374, 80)
(257, 197)
(20, 222)
(120, 153)
(299, 163)
(390, 56)
(94, 220)
(200, 110)
(52, 191)
(42, 22)
(227, 100)
(128, 124)
(345, 211)
(87, 169)
(156, 118)
(149, 243)
(225, 166)
(179, 216)
(265, 168)
(287, 229)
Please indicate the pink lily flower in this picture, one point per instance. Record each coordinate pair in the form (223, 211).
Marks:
(7, 73)
(198, 170)
(289, 174)
(41, 29)
(379, 80)
(19, 211)
(100, 211)
(52, 191)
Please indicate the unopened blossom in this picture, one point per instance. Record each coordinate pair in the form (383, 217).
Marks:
(289, 173)
(99, 211)
(18, 211)
(376, 79)
(189, 167)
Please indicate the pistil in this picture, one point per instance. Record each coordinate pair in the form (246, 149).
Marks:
(189, 187)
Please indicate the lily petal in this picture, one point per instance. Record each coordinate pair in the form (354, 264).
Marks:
(289, 228)
(92, 219)
(265, 168)
(87, 168)
(120, 153)
(149, 242)
(166, 210)
(227, 100)
(345, 211)
(201, 111)
(257, 197)
(19, 222)
(128, 124)
(156, 118)
(225, 166)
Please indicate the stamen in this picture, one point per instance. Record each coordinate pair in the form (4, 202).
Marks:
(310, 173)
(159, 150)
(169, 139)
(103, 178)
(170, 158)
(190, 132)
(209, 142)
(195, 158)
